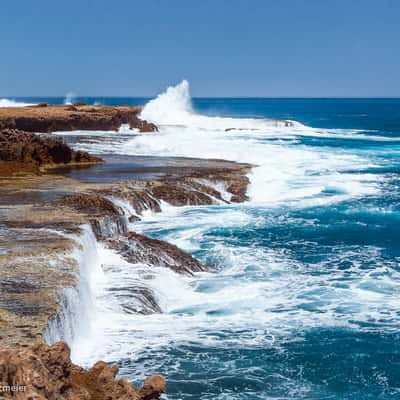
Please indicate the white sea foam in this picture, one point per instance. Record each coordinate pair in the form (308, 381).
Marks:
(285, 170)
(13, 103)
(261, 294)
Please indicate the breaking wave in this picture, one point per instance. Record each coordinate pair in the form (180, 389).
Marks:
(13, 103)
(174, 107)
(285, 169)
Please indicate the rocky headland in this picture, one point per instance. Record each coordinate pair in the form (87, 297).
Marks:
(44, 214)
(52, 118)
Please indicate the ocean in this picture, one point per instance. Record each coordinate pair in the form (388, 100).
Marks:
(304, 303)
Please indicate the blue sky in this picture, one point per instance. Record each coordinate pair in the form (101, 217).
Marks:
(269, 48)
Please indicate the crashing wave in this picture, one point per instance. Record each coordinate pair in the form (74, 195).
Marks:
(174, 107)
(285, 171)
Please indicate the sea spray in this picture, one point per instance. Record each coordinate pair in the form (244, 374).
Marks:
(69, 98)
(170, 107)
(74, 321)
(174, 107)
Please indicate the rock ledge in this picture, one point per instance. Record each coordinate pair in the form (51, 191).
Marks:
(53, 118)
(25, 151)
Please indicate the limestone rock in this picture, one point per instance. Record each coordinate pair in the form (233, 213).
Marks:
(73, 117)
(44, 372)
(19, 147)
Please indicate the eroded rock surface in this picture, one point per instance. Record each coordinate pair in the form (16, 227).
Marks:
(72, 117)
(43, 372)
(35, 265)
(90, 203)
(139, 249)
(24, 151)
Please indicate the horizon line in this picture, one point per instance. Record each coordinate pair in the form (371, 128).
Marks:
(205, 97)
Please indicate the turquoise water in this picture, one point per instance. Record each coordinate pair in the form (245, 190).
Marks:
(305, 300)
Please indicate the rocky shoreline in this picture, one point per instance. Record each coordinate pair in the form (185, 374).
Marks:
(51, 118)
(43, 218)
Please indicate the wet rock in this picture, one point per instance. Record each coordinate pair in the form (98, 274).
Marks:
(107, 219)
(136, 299)
(46, 372)
(133, 218)
(143, 126)
(238, 188)
(177, 195)
(138, 248)
(109, 227)
(91, 203)
(142, 200)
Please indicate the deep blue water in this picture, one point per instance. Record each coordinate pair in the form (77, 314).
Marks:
(335, 313)
(305, 304)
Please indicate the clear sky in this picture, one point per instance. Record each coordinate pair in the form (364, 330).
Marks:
(266, 48)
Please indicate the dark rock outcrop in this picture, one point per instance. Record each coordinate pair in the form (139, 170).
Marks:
(29, 149)
(44, 372)
(177, 195)
(136, 299)
(142, 200)
(138, 248)
(237, 187)
(73, 117)
(90, 203)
